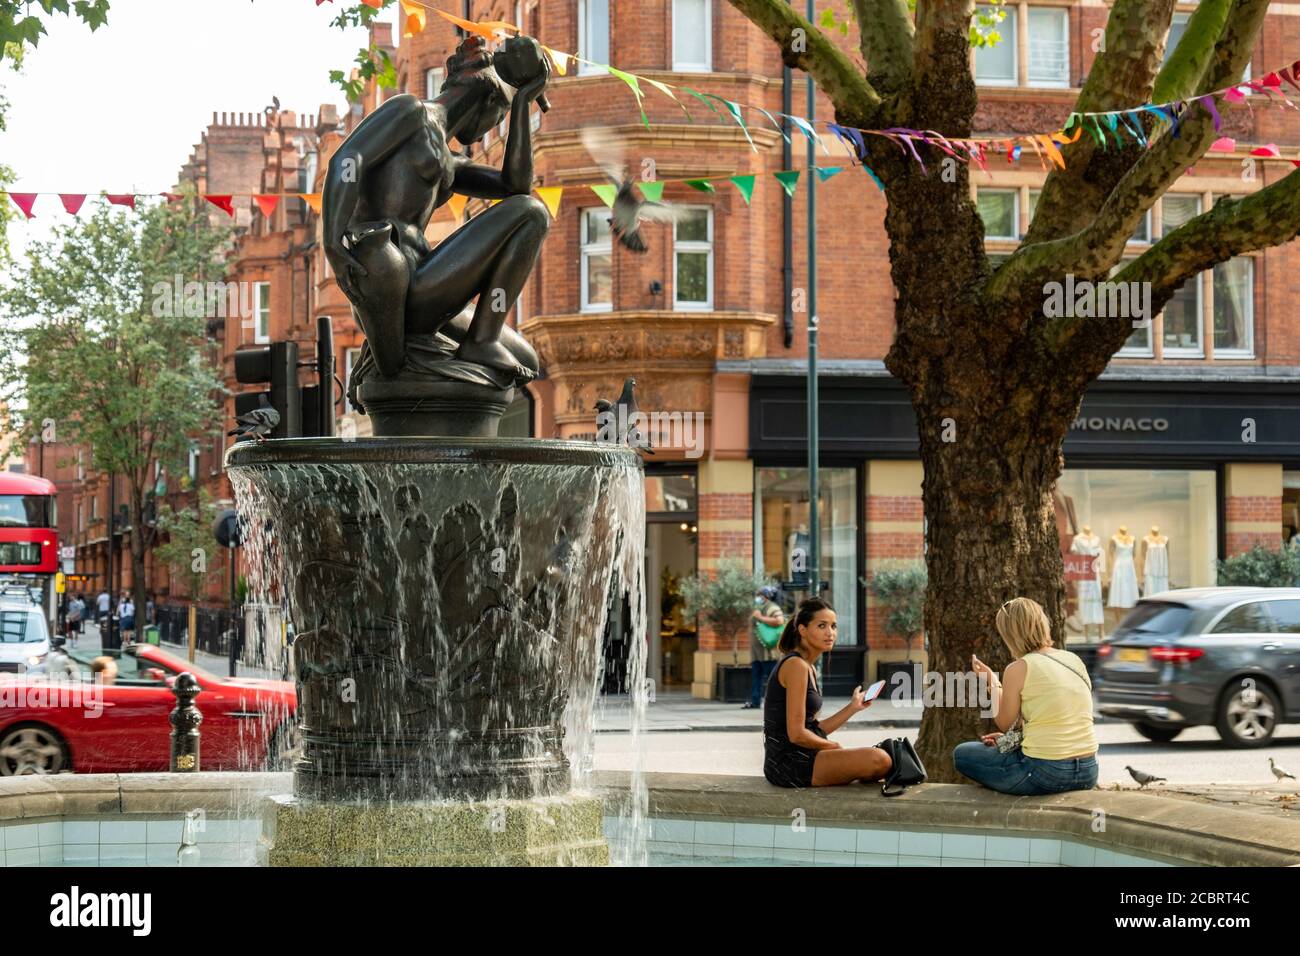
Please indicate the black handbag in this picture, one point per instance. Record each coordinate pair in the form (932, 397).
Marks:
(907, 768)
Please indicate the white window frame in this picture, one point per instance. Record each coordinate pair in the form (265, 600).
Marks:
(1177, 351)
(434, 77)
(584, 44)
(685, 66)
(1208, 321)
(586, 251)
(192, 465)
(1015, 212)
(1149, 350)
(694, 246)
(261, 305)
(1009, 31)
(1062, 82)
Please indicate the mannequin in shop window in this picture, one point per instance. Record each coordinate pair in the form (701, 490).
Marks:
(796, 555)
(1123, 576)
(1155, 562)
(1091, 612)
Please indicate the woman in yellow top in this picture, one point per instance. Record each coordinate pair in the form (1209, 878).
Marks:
(1050, 690)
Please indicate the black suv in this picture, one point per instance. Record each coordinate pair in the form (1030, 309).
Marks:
(1223, 656)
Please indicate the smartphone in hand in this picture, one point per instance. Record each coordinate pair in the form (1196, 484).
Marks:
(872, 692)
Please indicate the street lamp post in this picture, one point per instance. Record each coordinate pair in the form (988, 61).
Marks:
(814, 530)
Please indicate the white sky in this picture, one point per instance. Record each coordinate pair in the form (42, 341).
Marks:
(119, 110)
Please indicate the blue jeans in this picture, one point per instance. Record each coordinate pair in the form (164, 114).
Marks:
(1016, 774)
(760, 671)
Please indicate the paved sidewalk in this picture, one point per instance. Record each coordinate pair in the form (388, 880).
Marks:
(678, 711)
(213, 663)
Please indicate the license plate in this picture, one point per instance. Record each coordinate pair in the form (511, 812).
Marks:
(1132, 655)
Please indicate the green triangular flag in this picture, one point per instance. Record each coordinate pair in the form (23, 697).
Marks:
(635, 87)
(653, 191)
(703, 185)
(606, 192)
(826, 172)
(746, 186)
(788, 180)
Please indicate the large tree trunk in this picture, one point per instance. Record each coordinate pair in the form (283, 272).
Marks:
(990, 470)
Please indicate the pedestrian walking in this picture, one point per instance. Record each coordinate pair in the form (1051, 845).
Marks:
(126, 619)
(73, 619)
(103, 606)
(764, 632)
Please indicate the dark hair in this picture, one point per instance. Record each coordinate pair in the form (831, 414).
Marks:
(807, 611)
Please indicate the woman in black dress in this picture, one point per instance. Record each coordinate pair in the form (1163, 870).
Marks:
(797, 750)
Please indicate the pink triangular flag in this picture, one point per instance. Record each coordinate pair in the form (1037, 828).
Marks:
(72, 202)
(1234, 95)
(121, 199)
(267, 204)
(1268, 149)
(24, 201)
(1224, 144)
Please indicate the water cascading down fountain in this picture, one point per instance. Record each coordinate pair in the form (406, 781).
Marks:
(449, 589)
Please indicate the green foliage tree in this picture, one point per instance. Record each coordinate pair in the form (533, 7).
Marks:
(723, 598)
(93, 353)
(900, 588)
(1261, 567)
(186, 544)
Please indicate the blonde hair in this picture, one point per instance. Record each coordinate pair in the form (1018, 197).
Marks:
(1023, 626)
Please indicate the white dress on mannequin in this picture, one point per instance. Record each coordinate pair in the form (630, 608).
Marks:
(1089, 590)
(1123, 578)
(1156, 568)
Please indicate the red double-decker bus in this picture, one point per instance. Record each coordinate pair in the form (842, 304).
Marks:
(29, 541)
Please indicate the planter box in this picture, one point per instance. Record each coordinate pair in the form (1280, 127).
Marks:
(732, 683)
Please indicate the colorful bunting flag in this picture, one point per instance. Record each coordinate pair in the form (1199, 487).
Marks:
(414, 19)
(487, 29)
(24, 201)
(121, 199)
(550, 197)
(652, 191)
(788, 179)
(224, 202)
(826, 172)
(703, 185)
(635, 87)
(745, 184)
(606, 192)
(561, 60)
(267, 204)
(72, 202)
(312, 200)
(456, 203)
(1224, 144)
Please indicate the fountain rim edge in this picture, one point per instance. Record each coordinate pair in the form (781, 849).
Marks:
(421, 450)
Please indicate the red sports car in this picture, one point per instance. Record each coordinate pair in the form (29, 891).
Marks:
(52, 724)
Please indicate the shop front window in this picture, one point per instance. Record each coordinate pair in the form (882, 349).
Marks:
(1132, 533)
(781, 535)
(1291, 509)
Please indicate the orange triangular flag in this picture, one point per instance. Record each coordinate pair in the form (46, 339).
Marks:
(223, 202)
(487, 29)
(72, 202)
(266, 203)
(550, 195)
(561, 60)
(311, 199)
(414, 19)
(456, 203)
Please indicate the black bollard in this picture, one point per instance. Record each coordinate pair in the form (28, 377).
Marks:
(185, 720)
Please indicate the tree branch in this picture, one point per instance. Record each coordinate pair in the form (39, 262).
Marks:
(941, 74)
(835, 74)
(1091, 252)
(885, 34)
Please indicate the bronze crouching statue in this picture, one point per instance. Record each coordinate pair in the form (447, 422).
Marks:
(432, 365)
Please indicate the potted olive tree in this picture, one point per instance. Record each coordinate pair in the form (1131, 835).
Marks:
(900, 588)
(724, 599)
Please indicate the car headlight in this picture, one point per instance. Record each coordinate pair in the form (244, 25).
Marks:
(35, 659)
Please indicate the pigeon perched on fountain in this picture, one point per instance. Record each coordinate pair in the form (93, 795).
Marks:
(629, 209)
(1143, 778)
(620, 414)
(1279, 772)
(258, 423)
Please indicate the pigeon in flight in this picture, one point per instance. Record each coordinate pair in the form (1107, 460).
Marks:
(629, 209)
(1143, 778)
(1279, 772)
(620, 414)
(258, 423)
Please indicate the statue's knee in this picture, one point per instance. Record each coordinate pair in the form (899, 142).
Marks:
(532, 212)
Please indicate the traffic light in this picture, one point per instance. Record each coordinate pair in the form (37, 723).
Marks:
(276, 364)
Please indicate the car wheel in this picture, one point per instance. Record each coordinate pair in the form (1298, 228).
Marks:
(32, 749)
(1248, 712)
(1156, 733)
(286, 746)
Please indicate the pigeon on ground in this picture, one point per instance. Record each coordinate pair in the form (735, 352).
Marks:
(1279, 772)
(1143, 778)
(629, 209)
(621, 413)
(258, 423)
